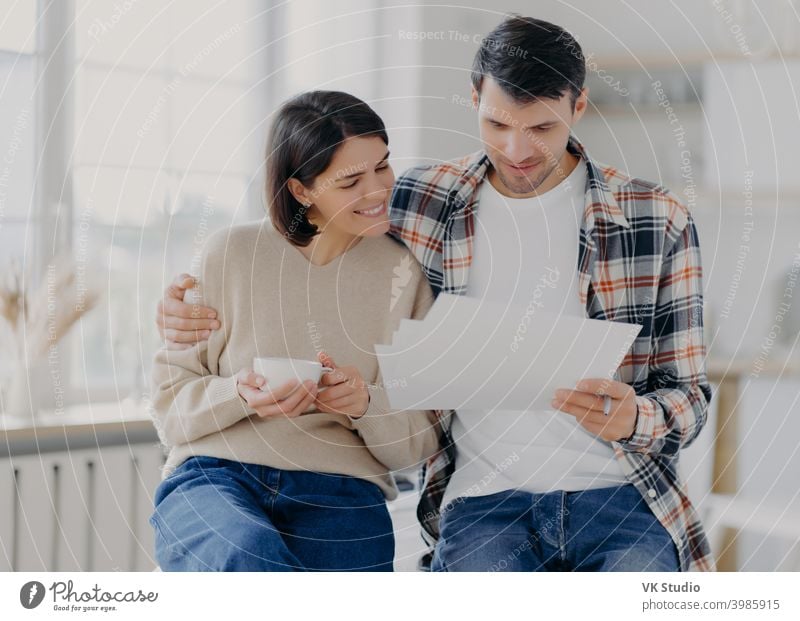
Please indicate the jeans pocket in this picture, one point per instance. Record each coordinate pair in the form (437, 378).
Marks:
(376, 492)
(438, 563)
(450, 511)
(157, 528)
(448, 508)
(164, 548)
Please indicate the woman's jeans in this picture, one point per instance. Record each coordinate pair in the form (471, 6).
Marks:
(220, 515)
(607, 529)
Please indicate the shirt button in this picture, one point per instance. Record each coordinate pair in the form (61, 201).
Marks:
(652, 493)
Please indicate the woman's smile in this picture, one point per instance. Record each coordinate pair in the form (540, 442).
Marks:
(372, 212)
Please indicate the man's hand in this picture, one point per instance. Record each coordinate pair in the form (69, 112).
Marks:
(346, 393)
(289, 400)
(586, 405)
(180, 324)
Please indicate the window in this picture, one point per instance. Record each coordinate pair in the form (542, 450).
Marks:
(160, 113)
(17, 144)
(167, 118)
(169, 133)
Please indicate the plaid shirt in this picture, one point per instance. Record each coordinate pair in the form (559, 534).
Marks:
(638, 262)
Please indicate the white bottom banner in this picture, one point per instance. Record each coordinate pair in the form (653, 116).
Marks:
(412, 596)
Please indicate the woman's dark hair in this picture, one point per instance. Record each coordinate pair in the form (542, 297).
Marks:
(304, 136)
(530, 59)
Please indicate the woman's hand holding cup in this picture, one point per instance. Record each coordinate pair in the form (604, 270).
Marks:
(345, 390)
(286, 400)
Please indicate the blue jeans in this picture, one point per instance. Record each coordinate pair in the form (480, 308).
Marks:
(220, 515)
(607, 529)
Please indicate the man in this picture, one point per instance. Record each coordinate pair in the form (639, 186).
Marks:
(592, 483)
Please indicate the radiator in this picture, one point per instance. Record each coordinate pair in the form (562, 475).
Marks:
(79, 510)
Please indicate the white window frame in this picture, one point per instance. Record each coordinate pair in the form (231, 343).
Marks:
(53, 210)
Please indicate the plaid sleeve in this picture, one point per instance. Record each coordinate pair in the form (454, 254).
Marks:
(433, 479)
(673, 410)
(421, 202)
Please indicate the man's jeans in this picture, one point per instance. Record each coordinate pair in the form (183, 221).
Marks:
(220, 515)
(606, 529)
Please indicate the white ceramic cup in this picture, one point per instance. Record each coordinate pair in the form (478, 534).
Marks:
(278, 371)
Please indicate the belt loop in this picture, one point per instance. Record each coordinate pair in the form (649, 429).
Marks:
(270, 478)
(562, 546)
(274, 479)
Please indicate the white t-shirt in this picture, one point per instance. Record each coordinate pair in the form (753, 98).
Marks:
(524, 249)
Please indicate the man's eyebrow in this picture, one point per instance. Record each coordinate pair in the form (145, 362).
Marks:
(542, 124)
(361, 172)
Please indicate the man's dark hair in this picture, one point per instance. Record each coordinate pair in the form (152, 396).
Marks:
(304, 137)
(530, 59)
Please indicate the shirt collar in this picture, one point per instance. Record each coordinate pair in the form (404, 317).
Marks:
(599, 195)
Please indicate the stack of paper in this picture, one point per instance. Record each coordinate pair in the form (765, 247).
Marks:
(469, 354)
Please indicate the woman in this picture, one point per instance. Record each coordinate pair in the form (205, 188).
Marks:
(269, 478)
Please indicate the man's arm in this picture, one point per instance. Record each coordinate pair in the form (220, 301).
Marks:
(674, 410)
(182, 325)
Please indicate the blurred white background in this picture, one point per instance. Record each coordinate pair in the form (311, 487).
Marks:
(131, 129)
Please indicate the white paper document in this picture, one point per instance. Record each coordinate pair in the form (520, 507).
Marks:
(476, 354)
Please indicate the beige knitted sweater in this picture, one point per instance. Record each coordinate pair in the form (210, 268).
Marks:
(272, 301)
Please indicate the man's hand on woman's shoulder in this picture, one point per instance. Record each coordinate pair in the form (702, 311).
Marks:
(183, 324)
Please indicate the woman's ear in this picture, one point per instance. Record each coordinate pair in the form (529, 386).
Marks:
(299, 191)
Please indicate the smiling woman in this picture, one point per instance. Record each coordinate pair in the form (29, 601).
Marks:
(326, 456)
(329, 164)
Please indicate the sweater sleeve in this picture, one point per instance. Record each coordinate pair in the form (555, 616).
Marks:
(190, 402)
(190, 399)
(400, 438)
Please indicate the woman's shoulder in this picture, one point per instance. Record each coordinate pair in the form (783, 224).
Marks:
(387, 251)
(395, 268)
(227, 258)
(239, 240)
